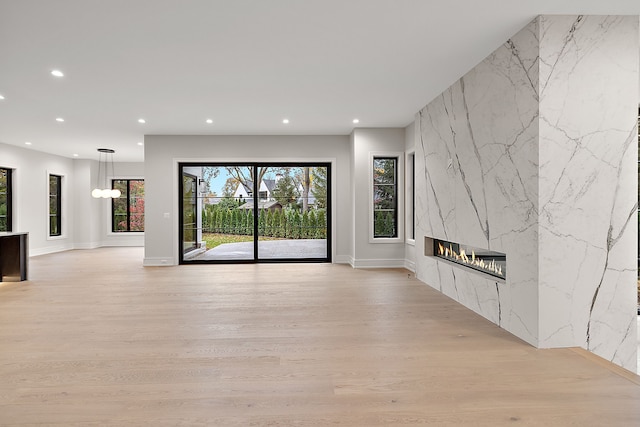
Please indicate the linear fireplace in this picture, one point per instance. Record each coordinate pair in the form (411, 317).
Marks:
(484, 260)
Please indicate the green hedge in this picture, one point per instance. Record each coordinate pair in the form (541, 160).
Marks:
(285, 224)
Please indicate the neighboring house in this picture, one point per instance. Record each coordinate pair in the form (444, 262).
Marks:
(245, 192)
(266, 189)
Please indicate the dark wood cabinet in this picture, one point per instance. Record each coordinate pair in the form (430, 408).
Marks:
(14, 256)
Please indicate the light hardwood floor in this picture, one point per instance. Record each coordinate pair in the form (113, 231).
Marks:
(96, 339)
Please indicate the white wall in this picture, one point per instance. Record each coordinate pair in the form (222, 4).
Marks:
(410, 246)
(31, 196)
(89, 225)
(163, 152)
(85, 220)
(365, 142)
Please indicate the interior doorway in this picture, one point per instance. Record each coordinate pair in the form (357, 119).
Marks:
(255, 212)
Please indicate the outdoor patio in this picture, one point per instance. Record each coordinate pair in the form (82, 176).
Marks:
(268, 249)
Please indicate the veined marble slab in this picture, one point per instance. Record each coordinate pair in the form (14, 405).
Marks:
(532, 153)
(588, 184)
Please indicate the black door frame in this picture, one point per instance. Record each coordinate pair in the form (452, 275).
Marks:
(256, 258)
(181, 232)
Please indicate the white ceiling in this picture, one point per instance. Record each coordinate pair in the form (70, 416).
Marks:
(246, 64)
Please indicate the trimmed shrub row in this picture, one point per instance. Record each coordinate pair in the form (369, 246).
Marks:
(285, 224)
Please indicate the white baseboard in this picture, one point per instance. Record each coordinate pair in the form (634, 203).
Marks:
(410, 265)
(49, 250)
(92, 245)
(128, 244)
(81, 246)
(378, 263)
(344, 259)
(157, 262)
(107, 244)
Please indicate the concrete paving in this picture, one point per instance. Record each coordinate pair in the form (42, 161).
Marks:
(268, 249)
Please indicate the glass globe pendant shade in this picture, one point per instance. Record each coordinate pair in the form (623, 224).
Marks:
(105, 159)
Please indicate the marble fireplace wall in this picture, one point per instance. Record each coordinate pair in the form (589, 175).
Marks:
(532, 154)
(588, 184)
(476, 182)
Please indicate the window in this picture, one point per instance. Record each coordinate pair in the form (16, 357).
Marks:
(127, 211)
(411, 194)
(55, 205)
(385, 197)
(5, 199)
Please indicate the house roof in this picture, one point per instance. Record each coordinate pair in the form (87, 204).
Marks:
(270, 184)
(248, 188)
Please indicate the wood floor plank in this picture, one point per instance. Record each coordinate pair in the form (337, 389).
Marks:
(95, 339)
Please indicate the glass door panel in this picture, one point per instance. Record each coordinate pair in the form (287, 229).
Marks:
(189, 213)
(226, 206)
(292, 221)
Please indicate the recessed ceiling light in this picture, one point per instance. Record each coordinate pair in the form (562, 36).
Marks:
(356, 121)
(27, 143)
(1, 97)
(140, 143)
(209, 121)
(142, 121)
(285, 121)
(60, 119)
(57, 73)
(75, 154)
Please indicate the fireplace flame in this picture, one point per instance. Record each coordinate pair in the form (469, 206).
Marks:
(463, 258)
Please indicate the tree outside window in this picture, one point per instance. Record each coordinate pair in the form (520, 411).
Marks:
(285, 191)
(319, 187)
(385, 202)
(55, 205)
(127, 211)
(5, 199)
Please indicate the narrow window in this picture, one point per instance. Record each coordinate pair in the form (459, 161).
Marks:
(5, 199)
(55, 205)
(411, 209)
(385, 197)
(127, 211)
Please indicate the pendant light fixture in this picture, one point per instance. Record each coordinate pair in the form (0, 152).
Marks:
(105, 157)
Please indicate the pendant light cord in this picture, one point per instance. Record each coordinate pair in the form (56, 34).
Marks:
(99, 167)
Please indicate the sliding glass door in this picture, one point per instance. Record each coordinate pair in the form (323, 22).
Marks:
(256, 212)
(189, 212)
(293, 212)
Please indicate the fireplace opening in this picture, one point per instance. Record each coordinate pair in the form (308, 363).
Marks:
(484, 260)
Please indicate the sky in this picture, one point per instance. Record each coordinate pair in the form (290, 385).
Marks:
(216, 184)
